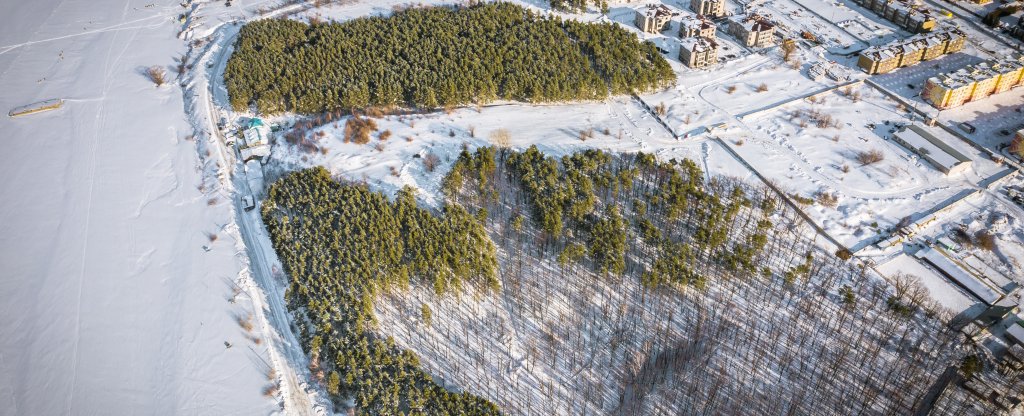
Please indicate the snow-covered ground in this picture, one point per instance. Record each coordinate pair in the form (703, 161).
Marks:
(125, 286)
(793, 151)
(620, 124)
(119, 299)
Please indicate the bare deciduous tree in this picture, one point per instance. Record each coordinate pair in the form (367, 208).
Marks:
(430, 162)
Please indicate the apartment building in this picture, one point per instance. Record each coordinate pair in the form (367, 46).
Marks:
(693, 26)
(653, 19)
(698, 52)
(910, 15)
(906, 52)
(974, 82)
(712, 8)
(753, 30)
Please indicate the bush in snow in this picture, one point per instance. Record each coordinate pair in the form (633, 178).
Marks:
(157, 74)
(867, 157)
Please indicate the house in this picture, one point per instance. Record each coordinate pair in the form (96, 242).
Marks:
(694, 26)
(256, 133)
(698, 52)
(653, 19)
(713, 8)
(256, 145)
(254, 177)
(753, 30)
(945, 158)
(258, 152)
(974, 82)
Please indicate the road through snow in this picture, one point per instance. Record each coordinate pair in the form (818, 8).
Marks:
(286, 355)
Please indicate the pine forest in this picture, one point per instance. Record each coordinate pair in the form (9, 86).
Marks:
(436, 57)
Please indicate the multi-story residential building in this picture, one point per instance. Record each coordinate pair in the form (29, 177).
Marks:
(753, 30)
(906, 52)
(694, 26)
(1011, 74)
(974, 82)
(713, 8)
(948, 90)
(653, 19)
(907, 14)
(985, 80)
(698, 52)
(877, 60)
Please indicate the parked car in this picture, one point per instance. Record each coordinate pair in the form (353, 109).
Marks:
(248, 202)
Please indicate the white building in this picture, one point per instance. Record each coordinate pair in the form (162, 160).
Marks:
(257, 133)
(257, 141)
(935, 151)
(948, 267)
(1016, 333)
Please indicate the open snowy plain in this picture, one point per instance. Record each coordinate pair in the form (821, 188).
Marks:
(111, 304)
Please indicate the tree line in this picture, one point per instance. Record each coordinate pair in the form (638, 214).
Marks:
(343, 245)
(436, 57)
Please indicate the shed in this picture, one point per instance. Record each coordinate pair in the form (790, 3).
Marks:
(1016, 332)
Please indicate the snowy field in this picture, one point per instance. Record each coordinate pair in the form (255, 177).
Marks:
(111, 303)
(619, 124)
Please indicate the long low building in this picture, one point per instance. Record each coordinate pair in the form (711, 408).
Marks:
(937, 259)
(934, 150)
(974, 82)
(906, 52)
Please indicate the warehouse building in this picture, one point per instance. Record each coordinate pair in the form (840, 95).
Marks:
(945, 158)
